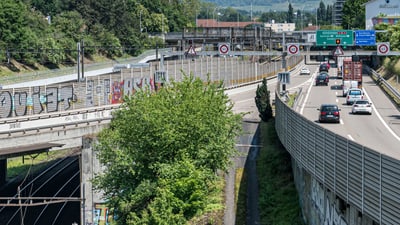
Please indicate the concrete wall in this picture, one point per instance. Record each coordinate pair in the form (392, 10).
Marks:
(320, 206)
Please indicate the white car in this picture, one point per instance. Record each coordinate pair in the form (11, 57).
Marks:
(353, 95)
(305, 71)
(361, 106)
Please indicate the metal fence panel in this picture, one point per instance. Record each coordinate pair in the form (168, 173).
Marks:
(363, 177)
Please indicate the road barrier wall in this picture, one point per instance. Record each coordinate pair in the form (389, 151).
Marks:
(359, 177)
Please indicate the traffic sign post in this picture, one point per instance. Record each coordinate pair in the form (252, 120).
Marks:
(333, 37)
(365, 37)
(223, 48)
(293, 49)
(383, 48)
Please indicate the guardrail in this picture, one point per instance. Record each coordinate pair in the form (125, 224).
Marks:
(394, 93)
(360, 176)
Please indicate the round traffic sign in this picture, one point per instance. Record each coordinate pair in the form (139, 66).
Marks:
(223, 49)
(293, 49)
(383, 48)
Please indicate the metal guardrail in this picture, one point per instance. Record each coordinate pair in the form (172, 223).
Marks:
(360, 176)
(391, 90)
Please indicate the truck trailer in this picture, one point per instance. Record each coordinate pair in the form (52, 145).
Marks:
(352, 74)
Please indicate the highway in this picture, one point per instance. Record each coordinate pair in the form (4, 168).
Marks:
(379, 131)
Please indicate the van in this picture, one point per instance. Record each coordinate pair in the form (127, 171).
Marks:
(354, 94)
(348, 84)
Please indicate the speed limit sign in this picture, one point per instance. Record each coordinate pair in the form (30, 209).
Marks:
(383, 48)
(223, 48)
(293, 49)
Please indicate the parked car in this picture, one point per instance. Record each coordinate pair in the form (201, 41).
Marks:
(361, 106)
(305, 71)
(322, 79)
(329, 113)
(354, 94)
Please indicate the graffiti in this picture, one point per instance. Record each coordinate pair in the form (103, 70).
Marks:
(21, 103)
(40, 100)
(101, 215)
(326, 210)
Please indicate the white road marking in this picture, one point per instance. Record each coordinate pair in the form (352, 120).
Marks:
(350, 137)
(380, 118)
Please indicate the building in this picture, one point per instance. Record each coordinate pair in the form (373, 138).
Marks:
(215, 23)
(280, 27)
(337, 12)
(381, 11)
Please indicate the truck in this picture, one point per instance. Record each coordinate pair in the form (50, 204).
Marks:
(351, 75)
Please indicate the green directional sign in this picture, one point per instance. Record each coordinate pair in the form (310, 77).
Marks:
(334, 37)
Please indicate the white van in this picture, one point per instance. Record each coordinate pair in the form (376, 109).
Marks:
(354, 94)
(347, 84)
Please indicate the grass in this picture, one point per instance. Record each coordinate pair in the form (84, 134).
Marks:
(278, 198)
(241, 196)
(19, 166)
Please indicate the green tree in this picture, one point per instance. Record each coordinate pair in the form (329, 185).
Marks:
(163, 149)
(354, 14)
(263, 102)
(290, 14)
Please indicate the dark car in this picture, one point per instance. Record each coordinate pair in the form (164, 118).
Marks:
(323, 67)
(329, 113)
(322, 79)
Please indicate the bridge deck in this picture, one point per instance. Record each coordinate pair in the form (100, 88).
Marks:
(27, 149)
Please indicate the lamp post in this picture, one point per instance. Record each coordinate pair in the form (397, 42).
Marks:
(140, 21)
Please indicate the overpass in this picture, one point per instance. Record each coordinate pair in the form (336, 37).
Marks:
(87, 113)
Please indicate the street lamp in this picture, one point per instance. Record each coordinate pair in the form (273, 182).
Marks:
(140, 21)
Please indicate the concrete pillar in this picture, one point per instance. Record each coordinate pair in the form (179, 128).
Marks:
(3, 171)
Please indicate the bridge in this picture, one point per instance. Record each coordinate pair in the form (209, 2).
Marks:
(100, 94)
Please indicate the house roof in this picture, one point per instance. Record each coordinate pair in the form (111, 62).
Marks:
(215, 23)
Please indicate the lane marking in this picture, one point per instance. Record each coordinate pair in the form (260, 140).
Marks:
(350, 137)
(380, 117)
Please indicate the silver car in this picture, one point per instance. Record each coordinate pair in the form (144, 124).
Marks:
(354, 94)
(361, 106)
(305, 71)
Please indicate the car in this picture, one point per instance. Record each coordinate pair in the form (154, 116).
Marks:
(323, 67)
(329, 113)
(354, 94)
(305, 71)
(362, 106)
(348, 84)
(322, 79)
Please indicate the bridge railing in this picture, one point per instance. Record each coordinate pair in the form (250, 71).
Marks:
(109, 89)
(360, 176)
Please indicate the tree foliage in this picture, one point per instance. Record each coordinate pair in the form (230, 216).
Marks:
(47, 31)
(354, 14)
(263, 101)
(163, 149)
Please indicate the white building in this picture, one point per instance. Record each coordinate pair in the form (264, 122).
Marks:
(389, 8)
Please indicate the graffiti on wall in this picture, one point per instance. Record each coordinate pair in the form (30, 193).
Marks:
(101, 215)
(326, 210)
(37, 100)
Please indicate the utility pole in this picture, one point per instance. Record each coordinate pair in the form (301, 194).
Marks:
(83, 56)
(78, 60)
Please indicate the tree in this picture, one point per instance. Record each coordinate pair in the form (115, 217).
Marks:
(354, 14)
(162, 151)
(263, 102)
(290, 14)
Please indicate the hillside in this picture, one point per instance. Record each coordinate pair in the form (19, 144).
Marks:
(270, 5)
